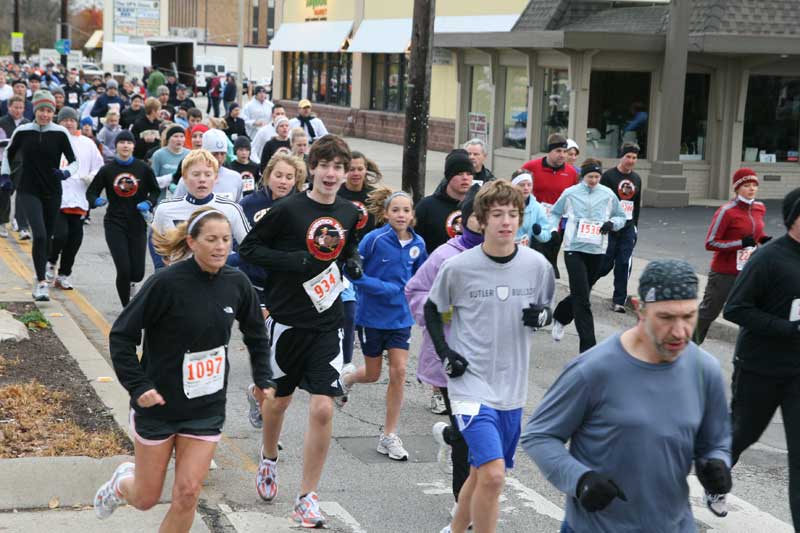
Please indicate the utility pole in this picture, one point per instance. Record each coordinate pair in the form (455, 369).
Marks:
(415, 148)
(240, 54)
(16, 27)
(64, 29)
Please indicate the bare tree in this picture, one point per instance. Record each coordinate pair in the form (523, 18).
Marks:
(38, 21)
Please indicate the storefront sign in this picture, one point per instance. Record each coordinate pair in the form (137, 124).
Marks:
(478, 126)
(137, 18)
(318, 8)
(442, 56)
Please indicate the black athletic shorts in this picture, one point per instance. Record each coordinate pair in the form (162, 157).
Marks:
(153, 431)
(309, 359)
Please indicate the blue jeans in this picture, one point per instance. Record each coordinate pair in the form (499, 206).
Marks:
(619, 259)
(565, 528)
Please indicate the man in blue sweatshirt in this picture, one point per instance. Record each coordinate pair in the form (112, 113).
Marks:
(638, 409)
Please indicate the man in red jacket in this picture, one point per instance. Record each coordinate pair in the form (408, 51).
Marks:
(551, 175)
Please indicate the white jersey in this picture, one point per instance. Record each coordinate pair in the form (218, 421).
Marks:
(229, 185)
(170, 213)
(265, 133)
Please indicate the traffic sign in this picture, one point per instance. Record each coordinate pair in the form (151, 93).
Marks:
(17, 41)
(63, 46)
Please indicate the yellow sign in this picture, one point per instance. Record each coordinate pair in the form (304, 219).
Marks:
(17, 41)
(318, 7)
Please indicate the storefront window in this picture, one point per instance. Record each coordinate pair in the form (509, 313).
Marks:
(389, 82)
(619, 111)
(515, 115)
(555, 112)
(772, 120)
(480, 104)
(322, 78)
(695, 117)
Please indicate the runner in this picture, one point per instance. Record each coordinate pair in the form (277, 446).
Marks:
(108, 134)
(592, 211)
(9, 123)
(627, 185)
(452, 447)
(195, 117)
(145, 129)
(298, 242)
(131, 191)
(132, 113)
(573, 152)
(391, 255)
(312, 125)
(476, 148)
(68, 234)
(257, 112)
(178, 390)
(551, 177)
(167, 159)
(510, 287)
(437, 216)
(229, 182)
(535, 222)
(765, 302)
(637, 410)
(266, 132)
(33, 162)
(236, 126)
(736, 229)
(280, 140)
(244, 166)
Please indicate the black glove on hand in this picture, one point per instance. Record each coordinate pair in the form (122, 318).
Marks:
(555, 238)
(764, 239)
(714, 475)
(605, 228)
(537, 229)
(5, 183)
(595, 492)
(302, 260)
(748, 241)
(455, 364)
(353, 267)
(537, 316)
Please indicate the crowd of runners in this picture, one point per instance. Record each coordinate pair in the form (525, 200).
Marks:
(274, 223)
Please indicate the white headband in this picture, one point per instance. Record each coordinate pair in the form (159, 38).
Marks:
(522, 177)
(393, 196)
(199, 217)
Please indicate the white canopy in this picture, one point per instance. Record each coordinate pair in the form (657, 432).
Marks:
(382, 36)
(475, 24)
(130, 55)
(317, 36)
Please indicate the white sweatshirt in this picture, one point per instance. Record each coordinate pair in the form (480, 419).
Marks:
(73, 189)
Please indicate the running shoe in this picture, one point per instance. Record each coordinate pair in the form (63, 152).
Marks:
(3, 231)
(41, 292)
(64, 283)
(618, 308)
(254, 412)
(14, 225)
(267, 478)
(349, 368)
(445, 454)
(446, 529)
(558, 331)
(717, 504)
(50, 272)
(438, 407)
(392, 446)
(24, 235)
(108, 498)
(307, 513)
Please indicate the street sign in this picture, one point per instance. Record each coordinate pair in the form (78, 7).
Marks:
(63, 46)
(17, 41)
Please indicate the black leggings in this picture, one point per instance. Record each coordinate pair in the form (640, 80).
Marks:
(42, 214)
(67, 241)
(583, 270)
(460, 450)
(128, 246)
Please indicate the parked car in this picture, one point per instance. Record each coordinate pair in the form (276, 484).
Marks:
(90, 70)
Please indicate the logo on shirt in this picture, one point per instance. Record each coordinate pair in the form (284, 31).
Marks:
(453, 224)
(126, 185)
(502, 292)
(260, 214)
(363, 215)
(228, 309)
(325, 238)
(246, 174)
(414, 252)
(626, 190)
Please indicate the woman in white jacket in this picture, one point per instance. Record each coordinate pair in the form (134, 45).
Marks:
(68, 234)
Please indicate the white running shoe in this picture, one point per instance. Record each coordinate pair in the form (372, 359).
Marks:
(438, 407)
(134, 290)
(41, 292)
(3, 231)
(445, 454)
(392, 446)
(24, 235)
(50, 272)
(108, 498)
(64, 283)
(254, 410)
(446, 529)
(717, 504)
(558, 331)
(341, 401)
(307, 513)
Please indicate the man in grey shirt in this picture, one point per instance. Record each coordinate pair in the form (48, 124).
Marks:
(637, 408)
(497, 292)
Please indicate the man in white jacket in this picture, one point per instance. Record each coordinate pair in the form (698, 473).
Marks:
(257, 112)
(68, 234)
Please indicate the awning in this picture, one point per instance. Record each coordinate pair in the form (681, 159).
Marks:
(130, 55)
(382, 36)
(475, 24)
(95, 40)
(317, 36)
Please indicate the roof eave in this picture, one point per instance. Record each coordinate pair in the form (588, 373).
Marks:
(595, 40)
(509, 39)
(721, 43)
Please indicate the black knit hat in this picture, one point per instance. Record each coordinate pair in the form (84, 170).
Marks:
(791, 207)
(241, 142)
(174, 130)
(467, 204)
(457, 162)
(124, 135)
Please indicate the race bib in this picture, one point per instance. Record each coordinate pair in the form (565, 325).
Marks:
(203, 372)
(72, 98)
(113, 107)
(589, 232)
(627, 206)
(324, 288)
(248, 184)
(547, 208)
(743, 256)
(794, 312)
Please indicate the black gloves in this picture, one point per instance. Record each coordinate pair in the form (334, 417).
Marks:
(353, 267)
(764, 239)
(5, 183)
(537, 229)
(605, 228)
(714, 475)
(455, 365)
(595, 492)
(60, 174)
(537, 316)
(748, 241)
(555, 238)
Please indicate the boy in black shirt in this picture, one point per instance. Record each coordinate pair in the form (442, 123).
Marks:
(298, 243)
(242, 164)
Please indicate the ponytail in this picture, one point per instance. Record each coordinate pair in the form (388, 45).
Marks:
(172, 245)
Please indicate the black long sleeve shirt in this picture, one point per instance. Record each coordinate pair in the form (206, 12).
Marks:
(627, 187)
(760, 302)
(125, 186)
(183, 309)
(33, 153)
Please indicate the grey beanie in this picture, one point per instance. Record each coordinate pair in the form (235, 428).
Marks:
(668, 279)
(65, 113)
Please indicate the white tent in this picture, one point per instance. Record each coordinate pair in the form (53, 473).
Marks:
(130, 55)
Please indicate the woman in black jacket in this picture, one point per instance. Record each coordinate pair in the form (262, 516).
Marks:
(235, 124)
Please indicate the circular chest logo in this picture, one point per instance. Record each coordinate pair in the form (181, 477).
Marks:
(414, 252)
(626, 190)
(453, 224)
(247, 175)
(363, 215)
(126, 185)
(325, 238)
(260, 214)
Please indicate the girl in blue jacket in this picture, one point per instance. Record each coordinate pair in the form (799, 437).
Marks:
(391, 255)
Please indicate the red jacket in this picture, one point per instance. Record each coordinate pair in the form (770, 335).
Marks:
(730, 224)
(548, 182)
